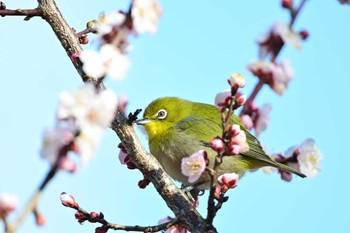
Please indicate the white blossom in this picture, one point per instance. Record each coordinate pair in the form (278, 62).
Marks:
(145, 15)
(107, 61)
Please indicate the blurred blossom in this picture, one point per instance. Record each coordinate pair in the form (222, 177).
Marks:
(247, 121)
(269, 169)
(344, 1)
(108, 61)
(262, 119)
(107, 22)
(277, 76)
(88, 107)
(194, 165)
(92, 112)
(122, 103)
(172, 229)
(281, 77)
(221, 98)
(55, 139)
(8, 203)
(145, 15)
(273, 41)
(67, 163)
(308, 157)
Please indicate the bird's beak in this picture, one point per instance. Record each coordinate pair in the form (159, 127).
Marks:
(143, 121)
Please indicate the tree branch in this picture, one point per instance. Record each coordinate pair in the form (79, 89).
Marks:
(176, 200)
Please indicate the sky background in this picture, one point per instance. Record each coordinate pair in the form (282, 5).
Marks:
(198, 45)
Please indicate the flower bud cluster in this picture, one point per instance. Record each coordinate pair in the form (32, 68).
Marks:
(224, 99)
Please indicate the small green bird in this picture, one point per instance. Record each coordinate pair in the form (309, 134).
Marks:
(177, 128)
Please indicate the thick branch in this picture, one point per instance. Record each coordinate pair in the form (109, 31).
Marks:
(148, 165)
(64, 33)
(176, 200)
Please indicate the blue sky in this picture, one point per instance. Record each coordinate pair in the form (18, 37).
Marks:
(198, 45)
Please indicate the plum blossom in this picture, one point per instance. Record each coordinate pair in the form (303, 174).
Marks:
(308, 157)
(221, 98)
(172, 229)
(273, 41)
(88, 107)
(145, 15)
(194, 165)
(55, 139)
(277, 76)
(84, 114)
(238, 141)
(8, 203)
(228, 179)
(282, 76)
(107, 22)
(263, 119)
(237, 80)
(108, 61)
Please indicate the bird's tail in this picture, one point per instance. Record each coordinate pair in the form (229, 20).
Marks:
(288, 169)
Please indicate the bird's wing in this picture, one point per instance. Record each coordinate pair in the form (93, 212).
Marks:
(205, 130)
(199, 128)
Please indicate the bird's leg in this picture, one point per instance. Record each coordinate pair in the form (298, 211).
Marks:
(192, 191)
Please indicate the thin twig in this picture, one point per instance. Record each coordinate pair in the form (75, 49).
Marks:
(107, 225)
(294, 13)
(29, 13)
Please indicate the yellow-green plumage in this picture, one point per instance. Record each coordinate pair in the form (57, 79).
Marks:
(187, 128)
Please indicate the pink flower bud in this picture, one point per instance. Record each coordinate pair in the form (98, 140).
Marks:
(75, 56)
(143, 183)
(100, 230)
(123, 156)
(234, 130)
(217, 144)
(40, 219)
(94, 215)
(68, 200)
(241, 99)
(80, 217)
(2, 6)
(287, 4)
(228, 179)
(304, 34)
(233, 149)
(130, 165)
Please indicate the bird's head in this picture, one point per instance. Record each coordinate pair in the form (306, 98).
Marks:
(163, 113)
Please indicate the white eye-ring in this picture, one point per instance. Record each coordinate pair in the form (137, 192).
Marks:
(161, 114)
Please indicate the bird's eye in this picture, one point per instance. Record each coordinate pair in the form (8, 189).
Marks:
(161, 114)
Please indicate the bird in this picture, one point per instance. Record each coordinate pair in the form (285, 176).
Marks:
(177, 128)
